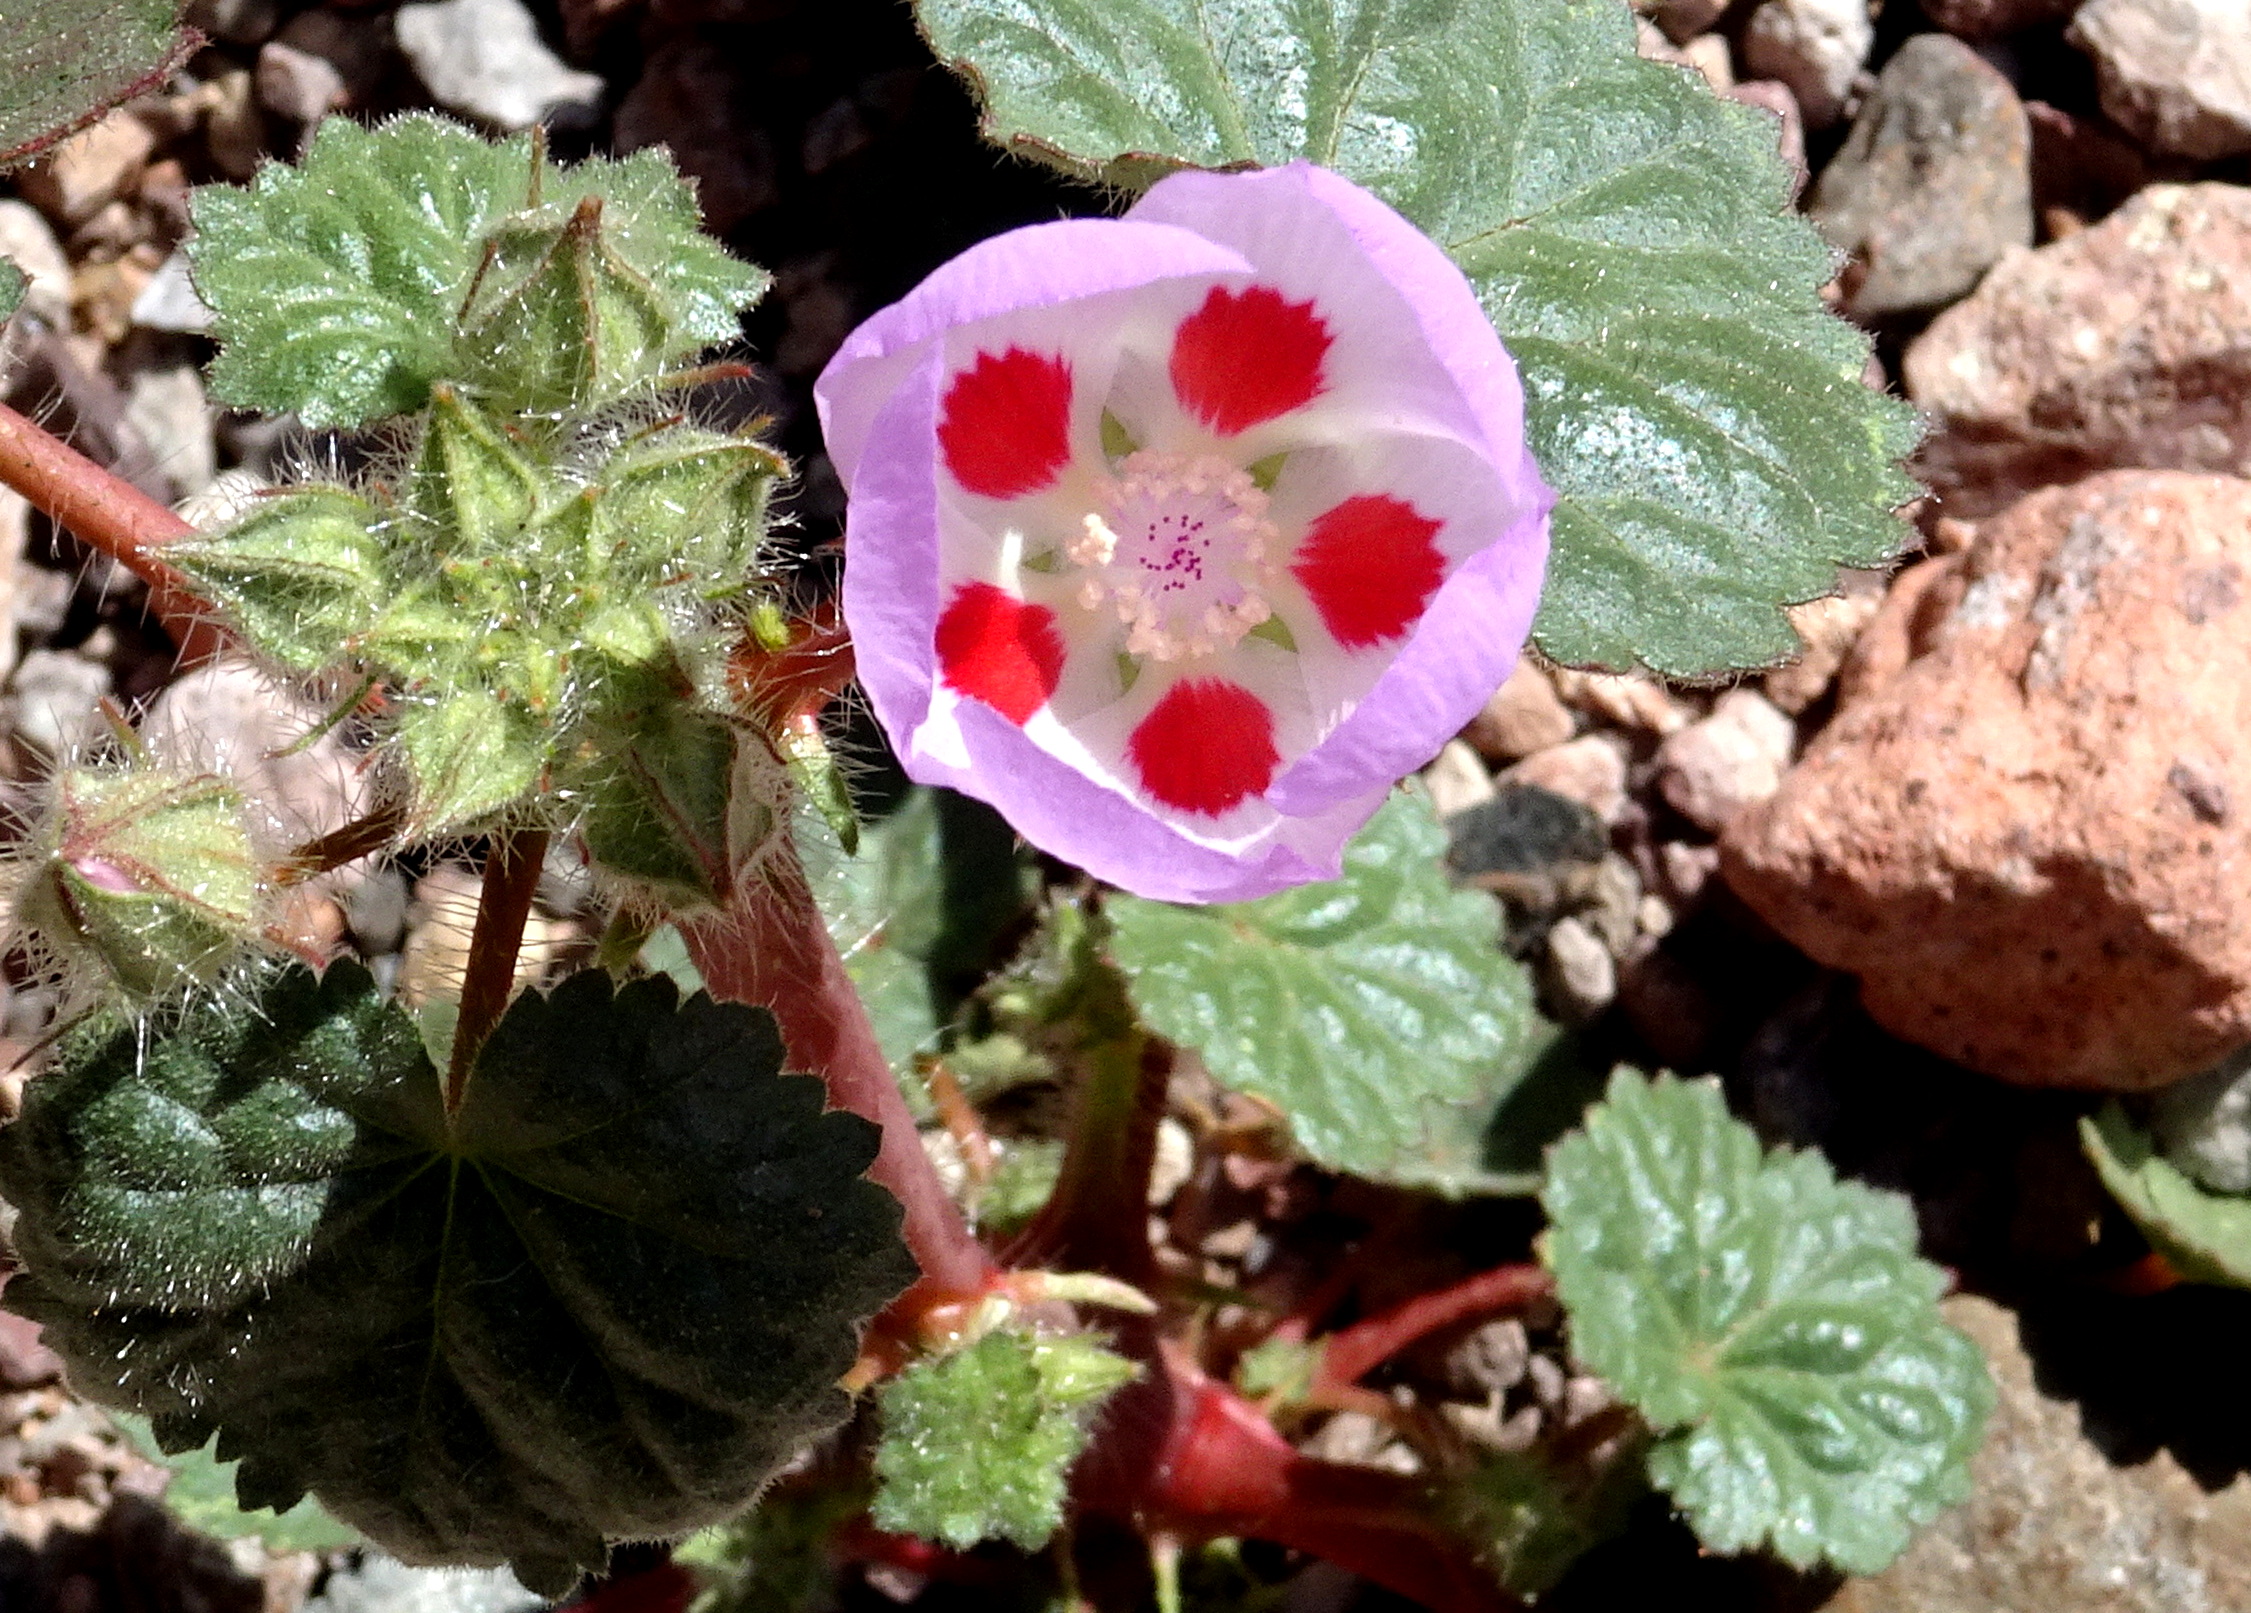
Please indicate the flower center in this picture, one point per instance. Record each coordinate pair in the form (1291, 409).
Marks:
(1180, 548)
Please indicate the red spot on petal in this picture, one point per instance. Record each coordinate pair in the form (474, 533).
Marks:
(1247, 356)
(1005, 426)
(996, 648)
(1205, 746)
(1371, 566)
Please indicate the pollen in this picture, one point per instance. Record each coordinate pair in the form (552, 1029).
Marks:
(1180, 550)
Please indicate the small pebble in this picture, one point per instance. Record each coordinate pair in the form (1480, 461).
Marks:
(1580, 973)
(1590, 770)
(1457, 780)
(1524, 715)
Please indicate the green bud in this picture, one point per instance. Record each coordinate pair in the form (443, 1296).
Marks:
(298, 574)
(655, 781)
(813, 769)
(149, 873)
(560, 320)
(476, 487)
(470, 756)
(683, 505)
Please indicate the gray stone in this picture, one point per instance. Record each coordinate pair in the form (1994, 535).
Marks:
(169, 301)
(2204, 1125)
(2174, 73)
(485, 58)
(1580, 975)
(297, 85)
(167, 409)
(1816, 47)
(1933, 184)
(376, 910)
(2052, 1525)
(56, 694)
(27, 242)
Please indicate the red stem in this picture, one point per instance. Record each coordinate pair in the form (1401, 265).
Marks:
(503, 907)
(1349, 1355)
(772, 948)
(1224, 1470)
(113, 516)
(1097, 1219)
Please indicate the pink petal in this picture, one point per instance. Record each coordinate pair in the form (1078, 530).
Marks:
(1245, 357)
(1044, 266)
(1205, 747)
(996, 648)
(1370, 566)
(1005, 426)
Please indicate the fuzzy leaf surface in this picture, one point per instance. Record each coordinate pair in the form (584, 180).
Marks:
(978, 1445)
(70, 60)
(2203, 1235)
(201, 1495)
(1773, 1324)
(341, 287)
(1629, 234)
(603, 1301)
(12, 287)
(1360, 1006)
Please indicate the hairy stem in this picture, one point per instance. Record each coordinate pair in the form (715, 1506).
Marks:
(772, 948)
(1351, 1354)
(1097, 1219)
(511, 876)
(113, 516)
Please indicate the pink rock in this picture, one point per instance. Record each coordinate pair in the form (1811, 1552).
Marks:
(1524, 715)
(2120, 345)
(2175, 74)
(1590, 770)
(2028, 842)
(1711, 771)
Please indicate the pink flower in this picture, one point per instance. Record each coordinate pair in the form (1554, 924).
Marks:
(1181, 537)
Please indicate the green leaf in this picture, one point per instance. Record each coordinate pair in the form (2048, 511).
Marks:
(1772, 1323)
(603, 1301)
(339, 287)
(917, 912)
(978, 1445)
(2203, 1235)
(1358, 1006)
(471, 756)
(1532, 1521)
(201, 1495)
(298, 574)
(12, 287)
(70, 60)
(1629, 233)
(1495, 1143)
(655, 797)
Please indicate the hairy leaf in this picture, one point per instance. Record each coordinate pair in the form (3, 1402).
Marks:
(201, 1495)
(2203, 1235)
(1363, 1007)
(602, 1301)
(1628, 232)
(978, 1445)
(12, 287)
(1772, 1323)
(346, 287)
(68, 61)
(298, 573)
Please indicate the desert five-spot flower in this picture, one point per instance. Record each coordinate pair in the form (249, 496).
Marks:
(1180, 537)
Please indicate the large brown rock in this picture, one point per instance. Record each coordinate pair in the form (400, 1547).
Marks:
(2028, 841)
(2120, 345)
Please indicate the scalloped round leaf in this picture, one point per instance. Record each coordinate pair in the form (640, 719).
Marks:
(339, 286)
(1370, 1009)
(603, 1301)
(201, 1495)
(1630, 234)
(71, 60)
(978, 1445)
(2203, 1235)
(1773, 1324)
